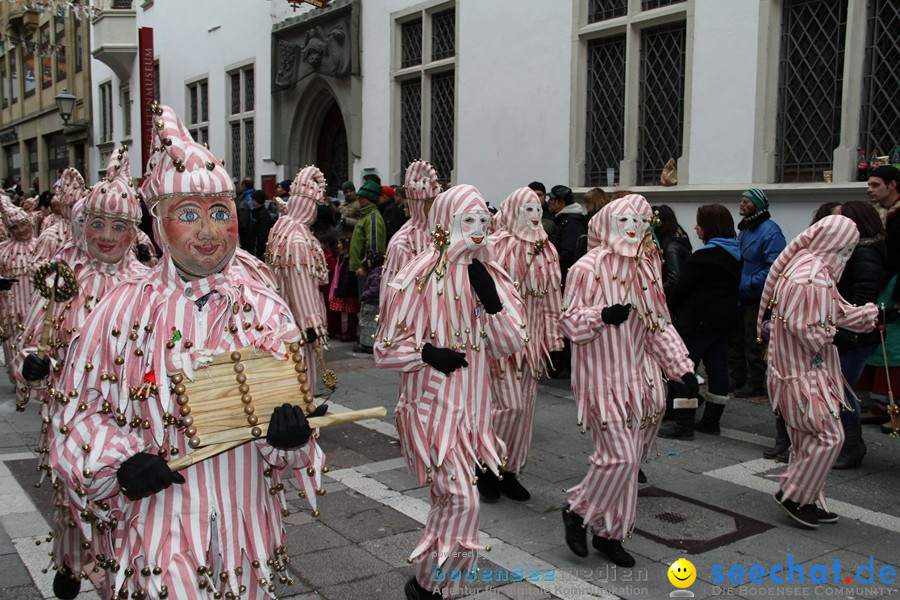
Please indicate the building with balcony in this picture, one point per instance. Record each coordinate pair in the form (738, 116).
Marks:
(777, 94)
(41, 55)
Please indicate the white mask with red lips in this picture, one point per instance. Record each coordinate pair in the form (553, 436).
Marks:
(630, 227)
(529, 216)
(470, 229)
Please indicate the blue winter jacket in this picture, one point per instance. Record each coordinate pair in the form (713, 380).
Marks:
(760, 246)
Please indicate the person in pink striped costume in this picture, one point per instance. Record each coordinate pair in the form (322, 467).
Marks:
(71, 190)
(614, 311)
(218, 530)
(804, 374)
(522, 249)
(296, 257)
(414, 236)
(446, 315)
(100, 257)
(17, 267)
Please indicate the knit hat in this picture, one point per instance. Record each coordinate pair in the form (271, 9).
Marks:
(387, 190)
(370, 191)
(181, 166)
(114, 195)
(757, 197)
(285, 185)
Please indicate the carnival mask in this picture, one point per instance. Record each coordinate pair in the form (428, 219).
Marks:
(529, 216)
(200, 233)
(631, 227)
(108, 238)
(470, 229)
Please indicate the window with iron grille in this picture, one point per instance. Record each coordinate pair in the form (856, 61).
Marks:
(31, 148)
(605, 124)
(653, 99)
(125, 94)
(443, 34)
(601, 10)
(651, 4)
(808, 120)
(426, 88)
(879, 125)
(410, 120)
(198, 110)
(14, 75)
(661, 104)
(241, 115)
(411, 43)
(106, 118)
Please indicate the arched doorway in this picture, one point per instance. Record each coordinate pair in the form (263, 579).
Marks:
(332, 151)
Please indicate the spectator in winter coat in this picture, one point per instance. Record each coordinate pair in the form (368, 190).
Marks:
(260, 225)
(244, 208)
(368, 308)
(349, 207)
(761, 242)
(571, 223)
(704, 309)
(675, 247)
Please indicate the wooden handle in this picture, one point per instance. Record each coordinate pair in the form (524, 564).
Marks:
(48, 325)
(325, 421)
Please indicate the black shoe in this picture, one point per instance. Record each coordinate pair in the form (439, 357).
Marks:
(414, 591)
(804, 515)
(676, 431)
(360, 349)
(750, 391)
(614, 551)
(563, 374)
(851, 456)
(65, 585)
(512, 489)
(488, 486)
(709, 423)
(777, 453)
(825, 516)
(641, 477)
(576, 533)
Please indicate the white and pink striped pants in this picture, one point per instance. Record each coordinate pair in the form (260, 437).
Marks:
(512, 404)
(816, 440)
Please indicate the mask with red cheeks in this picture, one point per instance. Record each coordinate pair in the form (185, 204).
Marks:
(108, 238)
(22, 231)
(201, 233)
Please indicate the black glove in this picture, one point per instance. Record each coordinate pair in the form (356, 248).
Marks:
(444, 360)
(145, 474)
(484, 287)
(288, 428)
(34, 368)
(690, 382)
(888, 315)
(143, 253)
(311, 335)
(615, 314)
(6, 284)
(319, 412)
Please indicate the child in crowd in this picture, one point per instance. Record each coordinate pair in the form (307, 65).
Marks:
(342, 297)
(368, 309)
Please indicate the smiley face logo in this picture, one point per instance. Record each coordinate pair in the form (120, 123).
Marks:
(682, 573)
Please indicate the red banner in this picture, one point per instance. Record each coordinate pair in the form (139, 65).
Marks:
(147, 96)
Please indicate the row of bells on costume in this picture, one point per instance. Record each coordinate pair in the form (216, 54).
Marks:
(458, 333)
(646, 420)
(429, 470)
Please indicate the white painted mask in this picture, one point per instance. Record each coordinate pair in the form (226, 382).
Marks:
(529, 216)
(470, 229)
(631, 227)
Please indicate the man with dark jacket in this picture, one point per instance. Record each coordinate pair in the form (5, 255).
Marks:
(244, 206)
(571, 222)
(761, 241)
(260, 224)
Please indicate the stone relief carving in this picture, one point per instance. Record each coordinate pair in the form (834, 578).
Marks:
(326, 49)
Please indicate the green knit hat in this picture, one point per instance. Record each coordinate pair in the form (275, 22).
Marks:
(370, 191)
(757, 197)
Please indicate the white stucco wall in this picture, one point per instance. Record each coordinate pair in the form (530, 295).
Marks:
(204, 38)
(513, 98)
(723, 94)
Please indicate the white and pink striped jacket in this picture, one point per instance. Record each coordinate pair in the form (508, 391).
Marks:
(17, 262)
(223, 526)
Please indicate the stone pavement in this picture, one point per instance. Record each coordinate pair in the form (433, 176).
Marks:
(709, 501)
